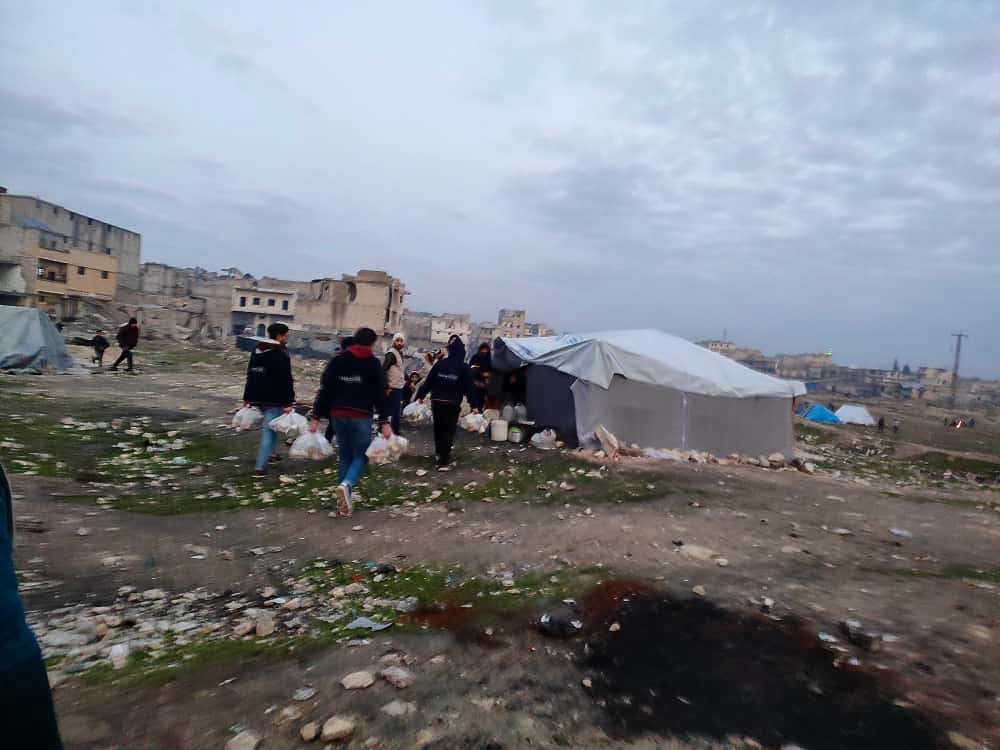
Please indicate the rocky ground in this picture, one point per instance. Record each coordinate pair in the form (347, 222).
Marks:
(524, 599)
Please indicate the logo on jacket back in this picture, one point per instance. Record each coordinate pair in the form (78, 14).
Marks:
(350, 378)
(258, 370)
(448, 376)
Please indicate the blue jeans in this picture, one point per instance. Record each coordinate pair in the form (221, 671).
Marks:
(268, 437)
(354, 435)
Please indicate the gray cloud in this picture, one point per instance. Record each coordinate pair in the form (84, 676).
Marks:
(802, 176)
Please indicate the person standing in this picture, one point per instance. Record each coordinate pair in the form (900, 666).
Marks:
(352, 389)
(100, 345)
(27, 716)
(271, 389)
(395, 379)
(448, 383)
(481, 366)
(128, 340)
(881, 424)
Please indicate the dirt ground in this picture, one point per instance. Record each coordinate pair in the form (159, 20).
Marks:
(888, 540)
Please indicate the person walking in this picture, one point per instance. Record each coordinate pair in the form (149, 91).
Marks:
(448, 382)
(881, 424)
(27, 716)
(100, 345)
(128, 340)
(271, 389)
(395, 377)
(481, 366)
(351, 390)
(344, 343)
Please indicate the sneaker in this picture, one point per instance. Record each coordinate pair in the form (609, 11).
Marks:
(345, 505)
(259, 473)
(273, 459)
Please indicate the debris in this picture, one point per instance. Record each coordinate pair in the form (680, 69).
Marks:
(309, 731)
(119, 655)
(368, 624)
(722, 562)
(699, 590)
(337, 728)
(265, 624)
(559, 625)
(357, 680)
(398, 709)
(398, 677)
(901, 532)
(303, 694)
(245, 740)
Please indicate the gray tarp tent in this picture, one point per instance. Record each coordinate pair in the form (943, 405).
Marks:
(654, 389)
(30, 342)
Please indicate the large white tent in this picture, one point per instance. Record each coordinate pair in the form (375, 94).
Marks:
(30, 343)
(855, 414)
(651, 388)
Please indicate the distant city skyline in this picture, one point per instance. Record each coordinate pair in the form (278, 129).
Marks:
(802, 177)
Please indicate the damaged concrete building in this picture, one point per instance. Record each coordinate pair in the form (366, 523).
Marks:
(230, 302)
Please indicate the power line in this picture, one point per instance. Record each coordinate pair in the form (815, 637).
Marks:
(954, 370)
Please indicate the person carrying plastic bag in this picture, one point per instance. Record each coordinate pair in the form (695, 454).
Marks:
(290, 424)
(270, 388)
(352, 389)
(448, 383)
(311, 445)
(382, 451)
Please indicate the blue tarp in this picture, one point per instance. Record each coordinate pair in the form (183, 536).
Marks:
(819, 413)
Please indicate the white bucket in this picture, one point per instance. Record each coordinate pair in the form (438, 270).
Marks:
(498, 430)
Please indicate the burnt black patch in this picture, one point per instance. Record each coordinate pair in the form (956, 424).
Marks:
(689, 667)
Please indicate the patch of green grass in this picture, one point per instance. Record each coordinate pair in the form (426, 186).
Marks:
(954, 571)
(941, 462)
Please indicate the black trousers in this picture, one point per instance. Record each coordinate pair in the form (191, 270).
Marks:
(126, 354)
(445, 423)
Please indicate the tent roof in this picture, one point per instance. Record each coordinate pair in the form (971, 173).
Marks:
(649, 356)
(855, 414)
(819, 413)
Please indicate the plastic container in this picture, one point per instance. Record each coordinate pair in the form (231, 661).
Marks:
(498, 430)
(515, 434)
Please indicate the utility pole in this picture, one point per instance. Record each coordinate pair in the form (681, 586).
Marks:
(954, 370)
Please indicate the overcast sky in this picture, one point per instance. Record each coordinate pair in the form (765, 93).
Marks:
(803, 175)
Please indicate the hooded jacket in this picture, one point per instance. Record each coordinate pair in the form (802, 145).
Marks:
(393, 365)
(449, 379)
(269, 376)
(128, 336)
(353, 385)
(480, 364)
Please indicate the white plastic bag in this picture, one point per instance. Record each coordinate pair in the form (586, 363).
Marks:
(382, 451)
(474, 423)
(544, 440)
(247, 418)
(311, 445)
(417, 413)
(291, 425)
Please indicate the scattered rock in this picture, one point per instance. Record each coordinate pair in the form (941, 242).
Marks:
(244, 627)
(265, 624)
(424, 737)
(357, 680)
(699, 591)
(288, 715)
(303, 694)
(398, 709)
(309, 731)
(119, 655)
(245, 740)
(398, 677)
(337, 728)
(696, 552)
(722, 562)
(154, 594)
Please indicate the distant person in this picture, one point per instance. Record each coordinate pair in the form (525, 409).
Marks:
(27, 716)
(481, 365)
(100, 345)
(412, 383)
(271, 389)
(881, 424)
(448, 383)
(128, 340)
(395, 377)
(344, 343)
(895, 425)
(351, 391)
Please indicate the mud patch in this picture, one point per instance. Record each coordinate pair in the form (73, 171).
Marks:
(689, 667)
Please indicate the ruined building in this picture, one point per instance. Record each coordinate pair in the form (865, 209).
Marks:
(56, 259)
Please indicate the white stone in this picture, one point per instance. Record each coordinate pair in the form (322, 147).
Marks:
(337, 728)
(304, 694)
(245, 740)
(398, 709)
(309, 731)
(119, 655)
(151, 595)
(699, 591)
(398, 677)
(357, 680)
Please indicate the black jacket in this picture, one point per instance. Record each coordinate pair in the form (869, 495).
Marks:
(449, 379)
(99, 342)
(269, 377)
(352, 383)
(480, 364)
